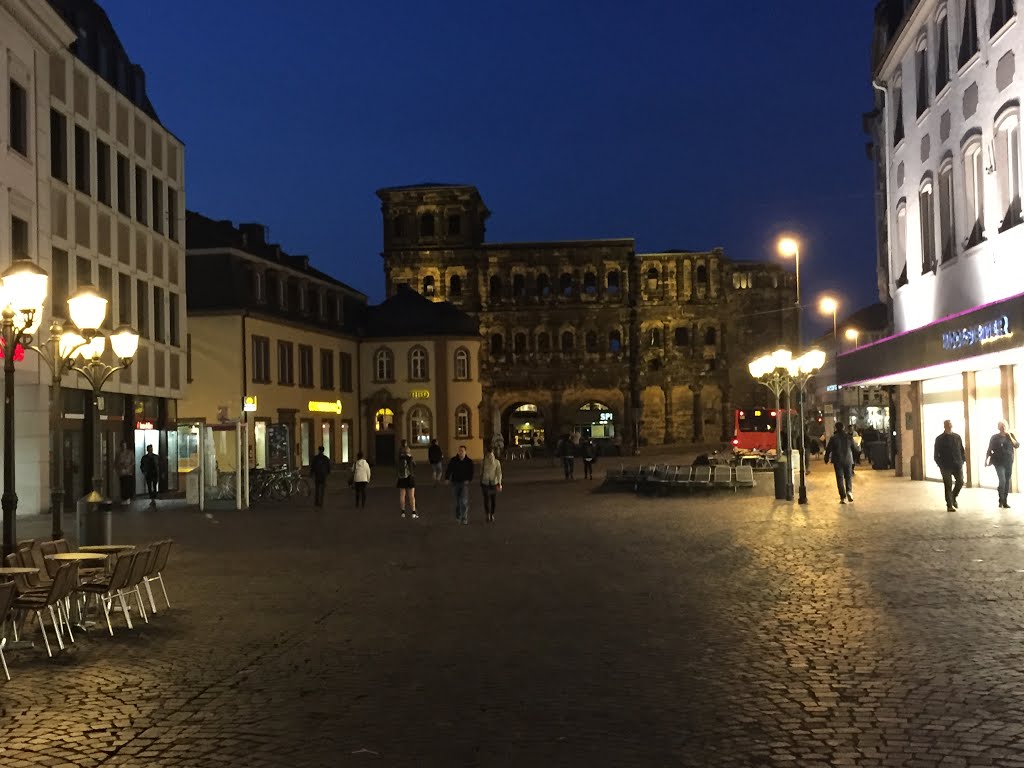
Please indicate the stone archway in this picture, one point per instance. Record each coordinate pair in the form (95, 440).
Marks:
(525, 423)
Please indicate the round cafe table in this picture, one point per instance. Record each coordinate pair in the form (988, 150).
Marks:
(106, 548)
(66, 556)
(17, 571)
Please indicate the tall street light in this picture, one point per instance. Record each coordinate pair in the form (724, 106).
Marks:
(772, 371)
(829, 305)
(807, 365)
(790, 248)
(88, 310)
(23, 290)
(853, 336)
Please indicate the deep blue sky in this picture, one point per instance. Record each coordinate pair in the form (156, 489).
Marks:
(683, 124)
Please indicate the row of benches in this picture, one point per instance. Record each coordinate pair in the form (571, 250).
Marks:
(664, 479)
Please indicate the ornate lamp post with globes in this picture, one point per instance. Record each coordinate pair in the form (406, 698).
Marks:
(23, 290)
(66, 342)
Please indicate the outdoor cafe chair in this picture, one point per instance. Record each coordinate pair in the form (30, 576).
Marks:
(140, 564)
(63, 582)
(683, 479)
(104, 591)
(701, 477)
(157, 563)
(744, 477)
(7, 594)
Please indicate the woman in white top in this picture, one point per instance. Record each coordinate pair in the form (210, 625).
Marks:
(360, 479)
(490, 483)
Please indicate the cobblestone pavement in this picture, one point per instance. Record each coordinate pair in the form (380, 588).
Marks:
(583, 628)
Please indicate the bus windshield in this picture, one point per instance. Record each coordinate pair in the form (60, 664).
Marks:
(757, 420)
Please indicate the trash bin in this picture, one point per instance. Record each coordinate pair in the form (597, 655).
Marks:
(780, 471)
(93, 518)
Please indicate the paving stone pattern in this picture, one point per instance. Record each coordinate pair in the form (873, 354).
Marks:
(582, 629)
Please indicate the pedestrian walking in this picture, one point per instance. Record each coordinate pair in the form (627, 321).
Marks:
(858, 441)
(319, 468)
(588, 450)
(460, 475)
(125, 463)
(406, 481)
(150, 466)
(567, 450)
(498, 445)
(490, 483)
(436, 458)
(840, 451)
(950, 456)
(1001, 449)
(360, 479)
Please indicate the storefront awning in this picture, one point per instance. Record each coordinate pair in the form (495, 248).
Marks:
(983, 337)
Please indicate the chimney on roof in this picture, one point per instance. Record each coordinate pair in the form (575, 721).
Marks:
(253, 234)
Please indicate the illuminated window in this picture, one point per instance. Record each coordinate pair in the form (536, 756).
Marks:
(420, 427)
(652, 280)
(384, 420)
(383, 365)
(428, 285)
(463, 421)
(1007, 159)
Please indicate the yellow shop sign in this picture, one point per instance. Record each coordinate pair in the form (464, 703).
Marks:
(420, 394)
(249, 403)
(321, 406)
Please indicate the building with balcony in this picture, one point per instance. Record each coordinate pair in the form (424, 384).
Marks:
(946, 146)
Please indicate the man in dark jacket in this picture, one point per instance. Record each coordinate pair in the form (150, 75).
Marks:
(150, 467)
(319, 468)
(435, 457)
(460, 474)
(950, 456)
(1000, 455)
(840, 451)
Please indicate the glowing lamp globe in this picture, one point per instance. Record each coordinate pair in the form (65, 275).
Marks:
(125, 342)
(25, 287)
(93, 350)
(87, 308)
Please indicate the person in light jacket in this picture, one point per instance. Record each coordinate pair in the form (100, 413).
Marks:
(360, 479)
(490, 483)
(840, 451)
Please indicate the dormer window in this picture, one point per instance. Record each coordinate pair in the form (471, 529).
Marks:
(259, 286)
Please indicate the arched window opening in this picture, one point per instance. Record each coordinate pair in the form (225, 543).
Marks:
(1006, 149)
(655, 338)
(455, 287)
(710, 337)
(384, 420)
(591, 341)
(590, 284)
(568, 341)
(702, 274)
(565, 284)
(614, 342)
(497, 344)
(519, 345)
(519, 286)
(543, 342)
(427, 225)
(420, 425)
(543, 285)
(428, 285)
(682, 336)
(613, 281)
(652, 280)
(463, 422)
(418, 369)
(462, 364)
(495, 288)
(974, 183)
(384, 365)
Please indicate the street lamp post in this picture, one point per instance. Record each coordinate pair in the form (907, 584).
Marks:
(23, 289)
(88, 310)
(828, 305)
(853, 335)
(781, 372)
(790, 248)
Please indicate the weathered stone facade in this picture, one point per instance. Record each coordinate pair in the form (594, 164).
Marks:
(660, 339)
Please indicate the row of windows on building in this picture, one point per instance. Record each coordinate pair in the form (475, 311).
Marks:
(155, 204)
(651, 338)
(541, 285)
(286, 370)
(162, 324)
(277, 290)
(939, 31)
(430, 224)
(418, 364)
(421, 423)
(939, 231)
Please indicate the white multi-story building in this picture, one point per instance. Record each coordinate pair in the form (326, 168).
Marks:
(100, 190)
(947, 149)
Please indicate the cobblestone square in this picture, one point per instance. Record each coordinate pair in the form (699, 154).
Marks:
(582, 628)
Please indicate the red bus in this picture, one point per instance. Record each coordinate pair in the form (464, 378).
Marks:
(754, 429)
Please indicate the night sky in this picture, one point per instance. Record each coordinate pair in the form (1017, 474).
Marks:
(682, 124)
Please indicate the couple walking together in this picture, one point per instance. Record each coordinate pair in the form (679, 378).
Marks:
(459, 473)
(951, 456)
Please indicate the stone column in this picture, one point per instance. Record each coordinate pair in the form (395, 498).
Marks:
(727, 417)
(698, 414)
(972, 474)
(666, 389)
(1008, 395)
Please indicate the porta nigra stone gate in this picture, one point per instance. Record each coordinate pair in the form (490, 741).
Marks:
(633, 348)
